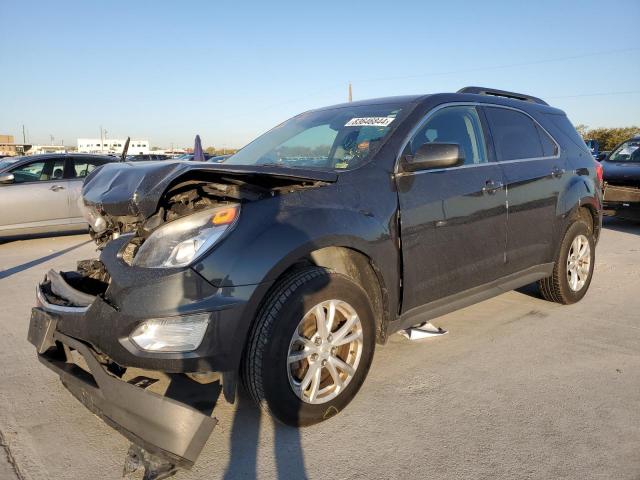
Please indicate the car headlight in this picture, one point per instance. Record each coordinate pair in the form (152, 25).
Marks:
(180, 242)
(174, 334)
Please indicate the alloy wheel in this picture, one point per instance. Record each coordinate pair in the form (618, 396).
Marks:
(578, 263)
(325, 351)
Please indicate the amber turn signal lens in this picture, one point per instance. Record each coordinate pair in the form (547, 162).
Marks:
(224, 217)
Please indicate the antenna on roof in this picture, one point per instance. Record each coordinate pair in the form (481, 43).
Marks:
(125, 149)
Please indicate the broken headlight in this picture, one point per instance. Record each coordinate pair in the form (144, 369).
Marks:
(175, 334)
(180, 242)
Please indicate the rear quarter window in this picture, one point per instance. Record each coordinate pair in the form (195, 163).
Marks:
(562, 123)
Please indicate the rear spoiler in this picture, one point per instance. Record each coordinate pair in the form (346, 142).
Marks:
(502, 93)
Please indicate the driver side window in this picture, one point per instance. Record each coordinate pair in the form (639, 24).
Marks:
(31, 172)
(458, 124)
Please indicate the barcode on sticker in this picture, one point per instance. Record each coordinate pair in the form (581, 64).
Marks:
(369, 122)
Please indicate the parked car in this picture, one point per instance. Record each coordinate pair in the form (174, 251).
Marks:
(594, 147)
(145, 157)
(40, 193)
(189, 157)
(622, 180)
(286, 265)
(218, 158)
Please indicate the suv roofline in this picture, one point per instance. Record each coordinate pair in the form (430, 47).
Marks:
(473, 94)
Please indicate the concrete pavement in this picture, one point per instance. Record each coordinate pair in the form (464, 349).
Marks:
(520, 388)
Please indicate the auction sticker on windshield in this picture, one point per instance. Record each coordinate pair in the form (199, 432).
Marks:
(369, 122)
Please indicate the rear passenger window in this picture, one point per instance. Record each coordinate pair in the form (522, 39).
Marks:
(515, 135)
(82, 168)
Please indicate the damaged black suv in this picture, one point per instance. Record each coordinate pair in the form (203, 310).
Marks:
(285, 265)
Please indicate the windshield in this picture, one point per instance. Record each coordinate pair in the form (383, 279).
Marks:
(7, 162)
(627, 152)
(339, 138)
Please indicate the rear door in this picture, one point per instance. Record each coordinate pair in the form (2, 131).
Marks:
(534, 174)
(453, 220)
(77, 170)
(37, 197)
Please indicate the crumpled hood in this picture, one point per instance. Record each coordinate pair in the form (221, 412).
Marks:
(125, 188)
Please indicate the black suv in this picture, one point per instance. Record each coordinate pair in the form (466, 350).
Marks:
(285, 265)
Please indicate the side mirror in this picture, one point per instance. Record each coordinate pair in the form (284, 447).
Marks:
(434, 155)
(601, 157)
(6, 178)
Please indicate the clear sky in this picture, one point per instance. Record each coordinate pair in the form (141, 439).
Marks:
(166, 70)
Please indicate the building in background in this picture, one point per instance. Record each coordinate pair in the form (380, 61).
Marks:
(8, 147)
(38, 149)
(112, 145)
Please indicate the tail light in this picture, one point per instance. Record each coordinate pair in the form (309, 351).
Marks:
(599, 172)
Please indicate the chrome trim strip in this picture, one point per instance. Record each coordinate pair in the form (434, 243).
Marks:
(42, 301)
(448, 169)
(431, 112)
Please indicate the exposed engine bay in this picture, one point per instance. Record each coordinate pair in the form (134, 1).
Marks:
(113, 209)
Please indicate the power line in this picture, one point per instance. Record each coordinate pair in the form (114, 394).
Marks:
(500, 67)
(602, 94)
(315, 94)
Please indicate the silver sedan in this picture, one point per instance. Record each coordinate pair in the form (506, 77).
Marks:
(39, 193)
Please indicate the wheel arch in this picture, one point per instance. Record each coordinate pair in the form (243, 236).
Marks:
(356, 265)
(581, 198)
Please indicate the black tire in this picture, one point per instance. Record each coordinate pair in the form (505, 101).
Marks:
(556, 287)
(264, 369)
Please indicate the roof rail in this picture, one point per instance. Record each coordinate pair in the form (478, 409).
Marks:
(502, 93)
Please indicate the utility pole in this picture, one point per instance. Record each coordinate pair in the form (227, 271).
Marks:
(52, 138)
(24, 137)
(350, 93)
(101, 140)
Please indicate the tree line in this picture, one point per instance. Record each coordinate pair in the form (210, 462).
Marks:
(607, 138)
(220, 151)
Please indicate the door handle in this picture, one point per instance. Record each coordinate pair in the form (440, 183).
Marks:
(557, 172)
(491, 187)
(56, 188)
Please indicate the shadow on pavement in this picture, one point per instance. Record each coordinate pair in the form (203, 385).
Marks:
(32, 236)
(621, 225)
(244, 444)
(25, 266)
(530, 290)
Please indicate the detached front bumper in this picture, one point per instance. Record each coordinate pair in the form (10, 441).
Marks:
(82, 331)
(166, 428)
(622, 201)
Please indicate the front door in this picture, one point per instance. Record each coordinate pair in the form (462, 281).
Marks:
(38, 197)
(453, 220)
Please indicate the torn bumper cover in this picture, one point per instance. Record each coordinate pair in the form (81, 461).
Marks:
(81, 332)
(623, 201)
(162, 426)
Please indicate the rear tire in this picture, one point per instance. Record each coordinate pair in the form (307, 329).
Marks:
(573, 268)
(288, 327)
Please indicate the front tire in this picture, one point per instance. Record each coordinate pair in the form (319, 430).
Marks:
(311, 347)
(573, 269)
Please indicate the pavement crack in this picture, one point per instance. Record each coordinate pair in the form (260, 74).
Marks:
(12, 461)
